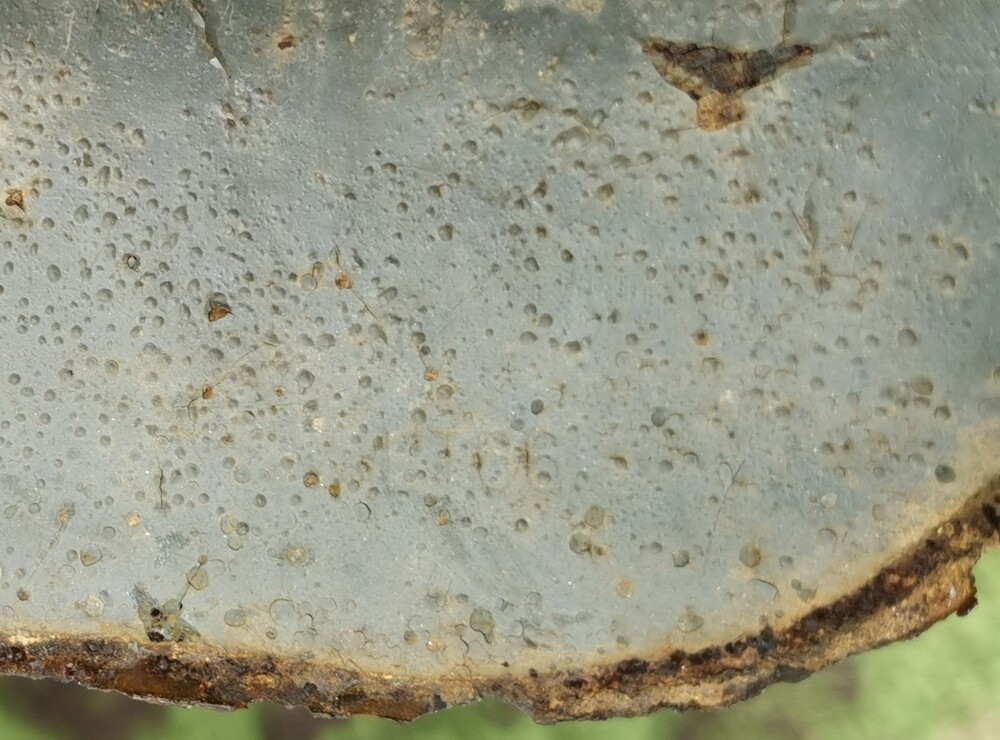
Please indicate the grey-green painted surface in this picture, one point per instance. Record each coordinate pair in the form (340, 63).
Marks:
(507, 361)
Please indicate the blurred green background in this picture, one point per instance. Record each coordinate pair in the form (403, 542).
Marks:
(944, 684)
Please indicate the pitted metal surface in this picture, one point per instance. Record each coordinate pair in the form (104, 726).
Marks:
(426, 342)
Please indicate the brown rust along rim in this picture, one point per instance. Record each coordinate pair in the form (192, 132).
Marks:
(933, 580)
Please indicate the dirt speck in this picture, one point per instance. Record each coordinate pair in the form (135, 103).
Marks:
(15, 199)
(218, 310)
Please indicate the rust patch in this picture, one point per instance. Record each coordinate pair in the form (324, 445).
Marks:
(15, 199)
(218, 310)
(920, 588)
(715, 77)
(718, 110)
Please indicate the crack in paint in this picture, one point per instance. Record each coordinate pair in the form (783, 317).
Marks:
(206, 25)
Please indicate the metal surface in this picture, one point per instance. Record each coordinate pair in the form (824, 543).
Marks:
(441, 346)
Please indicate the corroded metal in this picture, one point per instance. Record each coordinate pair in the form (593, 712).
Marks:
(377, 357)
(926, 585)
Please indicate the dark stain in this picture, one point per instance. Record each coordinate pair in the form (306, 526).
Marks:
(698, 70)
(715, 77)
(632, 666)
(990, 512)
(764, 642)
(790, 674)
(967, 604)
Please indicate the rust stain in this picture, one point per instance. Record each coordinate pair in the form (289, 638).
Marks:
(715, 77)
(218, 310)
(920, 588)
(15, 199)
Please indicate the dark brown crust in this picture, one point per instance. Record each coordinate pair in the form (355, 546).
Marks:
(920, 588)
(699, 70)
